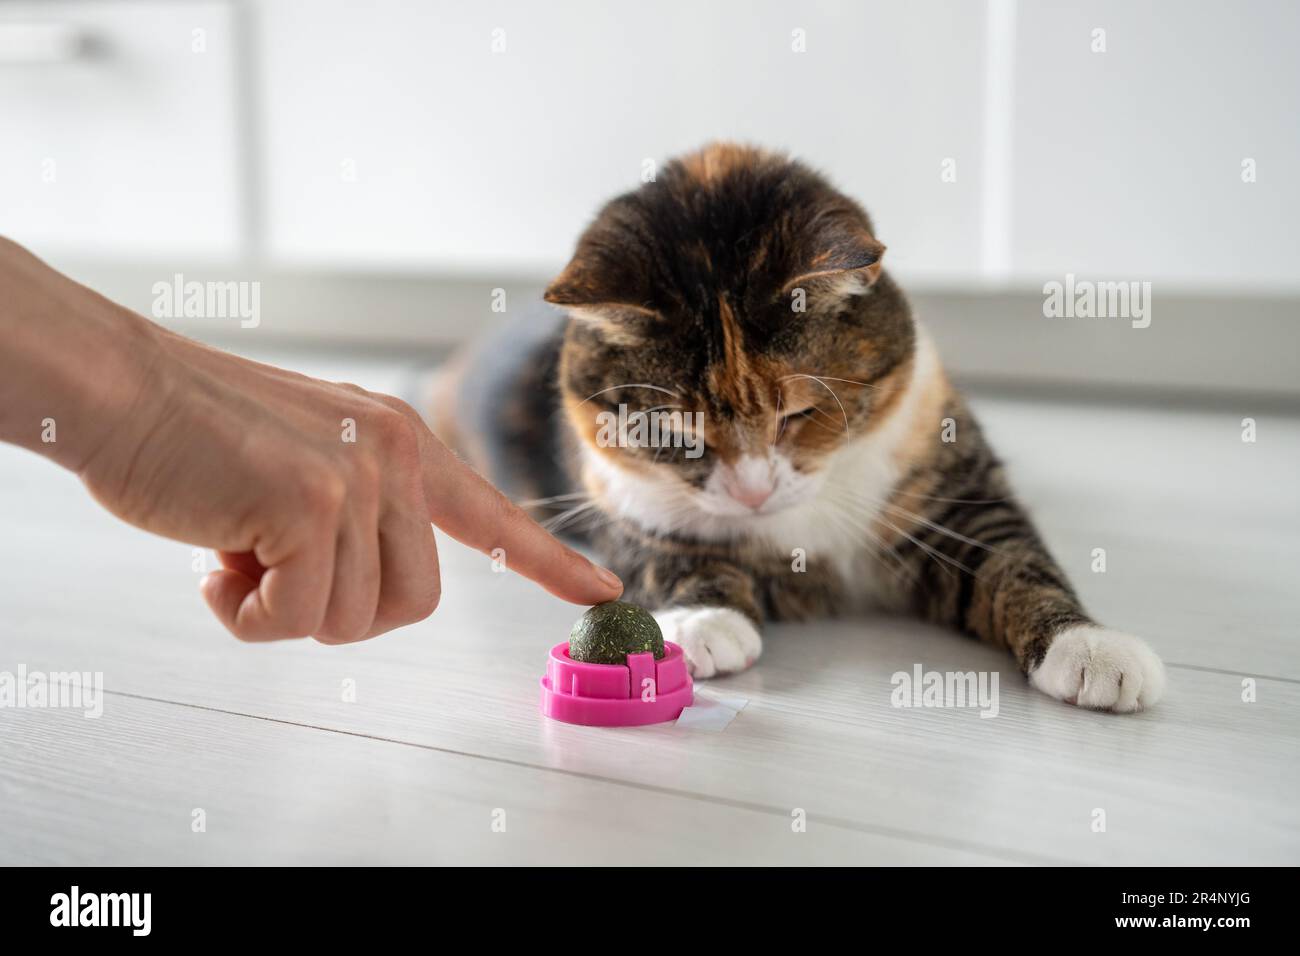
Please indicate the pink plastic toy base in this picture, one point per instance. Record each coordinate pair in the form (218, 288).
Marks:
(642, 691)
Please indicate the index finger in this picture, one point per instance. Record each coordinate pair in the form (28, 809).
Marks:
(466, 506)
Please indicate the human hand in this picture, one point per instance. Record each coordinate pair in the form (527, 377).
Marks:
(317, 535)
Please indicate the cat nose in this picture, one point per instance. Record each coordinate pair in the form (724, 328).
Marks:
(750, 492)
(751, 497)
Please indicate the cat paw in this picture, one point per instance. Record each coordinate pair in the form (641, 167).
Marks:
(715, 640)
(1101, 669)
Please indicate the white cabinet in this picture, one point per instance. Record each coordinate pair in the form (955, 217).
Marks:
(988, 140)
(481, 138)
(118, 132)
(1127, 163)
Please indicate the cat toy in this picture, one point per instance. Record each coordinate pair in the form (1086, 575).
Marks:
(616, 670)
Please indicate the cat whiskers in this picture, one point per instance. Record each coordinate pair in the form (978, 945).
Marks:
(538, 502)
(676, 512)
(832, 378)
(658, 408)
(955, 501)
(822, 381)
(657, 388)
(933, 552)
(828, 418)
(566, 518)
(583, 510)
(872, 508)
(849, 508)
(942, 529)
(779, 424)
(934, 525)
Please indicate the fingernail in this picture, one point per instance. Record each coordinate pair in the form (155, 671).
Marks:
(608, 577)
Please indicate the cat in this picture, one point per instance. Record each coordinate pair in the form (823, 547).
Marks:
(741, 285)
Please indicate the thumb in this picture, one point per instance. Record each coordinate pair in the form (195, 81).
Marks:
(225, 591)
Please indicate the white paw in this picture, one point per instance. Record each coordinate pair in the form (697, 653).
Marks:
(716, 640)
(1102, 669)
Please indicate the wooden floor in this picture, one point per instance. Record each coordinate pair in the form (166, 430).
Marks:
(443, 757)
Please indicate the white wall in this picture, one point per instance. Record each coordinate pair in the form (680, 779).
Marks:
(1128, 164)
(126, 145)
(388, 135)
(468, 159)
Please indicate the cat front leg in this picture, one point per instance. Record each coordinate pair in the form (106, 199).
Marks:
(708, 608)
(983, 568)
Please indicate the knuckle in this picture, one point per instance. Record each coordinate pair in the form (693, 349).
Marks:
(399, 432)
(367, 474)
(403, 407)
(347, 622)
(420, 600)
(390, 424)
(508, 517)
(297, 623)
(324, 491)
(341, 630)
(417, 607)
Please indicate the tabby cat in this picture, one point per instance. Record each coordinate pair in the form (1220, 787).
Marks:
(835, 467)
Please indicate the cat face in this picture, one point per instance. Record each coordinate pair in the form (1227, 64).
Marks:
(731, 333)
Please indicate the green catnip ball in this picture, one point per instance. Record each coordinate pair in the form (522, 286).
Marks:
(609, 632)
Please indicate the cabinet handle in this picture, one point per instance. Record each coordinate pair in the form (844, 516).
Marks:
(25, 43)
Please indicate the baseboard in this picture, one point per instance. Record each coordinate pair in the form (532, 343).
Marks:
(1196, 345)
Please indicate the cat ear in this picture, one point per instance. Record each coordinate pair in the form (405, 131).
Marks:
(593, 284)
(847, 264)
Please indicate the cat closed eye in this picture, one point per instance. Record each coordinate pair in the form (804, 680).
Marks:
(800, 413)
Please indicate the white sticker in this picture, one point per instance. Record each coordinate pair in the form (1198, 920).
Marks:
(711, 714)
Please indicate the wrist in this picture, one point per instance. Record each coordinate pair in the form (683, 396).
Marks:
(74, 367)
(113, 392)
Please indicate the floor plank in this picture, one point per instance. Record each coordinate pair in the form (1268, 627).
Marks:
(1202, 540)
(123, 790)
